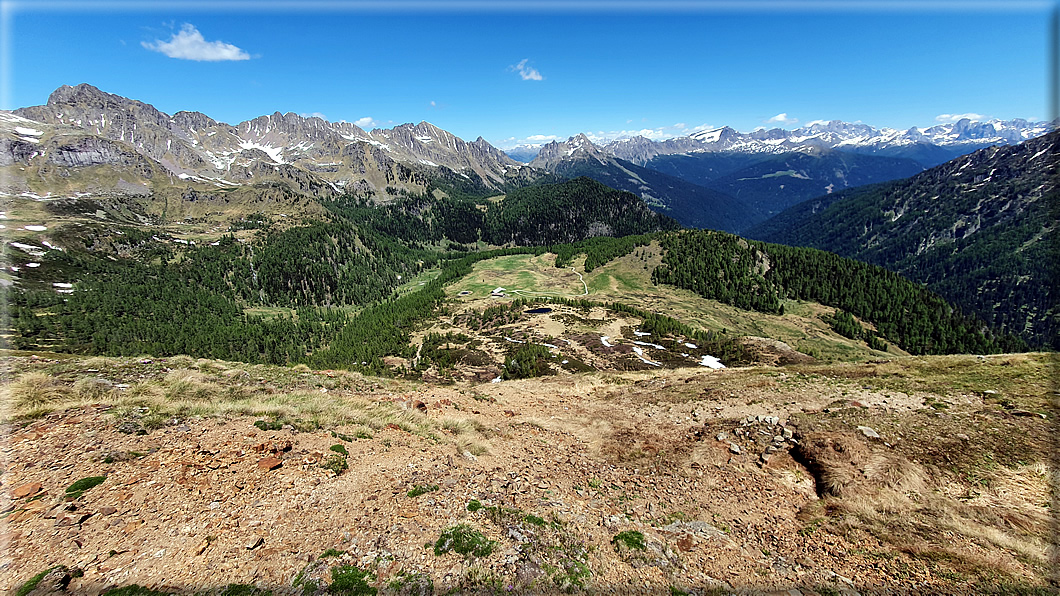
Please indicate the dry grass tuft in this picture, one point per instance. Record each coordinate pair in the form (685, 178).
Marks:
(184, 384)
(92, 388)
(181, 361)
(34, 390)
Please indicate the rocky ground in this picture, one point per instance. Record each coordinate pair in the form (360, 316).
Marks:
(927, 475)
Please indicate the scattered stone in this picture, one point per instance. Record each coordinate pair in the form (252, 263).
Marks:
(131, 427)
(420, 406)
(107, 510)
(26, 490)
(270, 463)
(255, 542)
(963, 437)
(734, 448)
(869, 432)
(788, 433)
(722, 436)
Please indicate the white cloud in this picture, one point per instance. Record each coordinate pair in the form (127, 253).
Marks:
(528, 73)
(189, 44)
(366, 122)
(956, 117)
(782, 118)
(816, 122)
(314, 115)
(542, 138)
(433, 104)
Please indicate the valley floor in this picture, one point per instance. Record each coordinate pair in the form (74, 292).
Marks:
(915, 475)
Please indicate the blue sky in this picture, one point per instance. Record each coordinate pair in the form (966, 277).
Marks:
(538, 71)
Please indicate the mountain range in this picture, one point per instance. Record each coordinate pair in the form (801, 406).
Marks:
(87, 140)
(82, 126)
(930, 146)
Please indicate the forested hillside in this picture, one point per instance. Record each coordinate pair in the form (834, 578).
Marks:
(757, 276)
(570, 211)
(164, 297)
(978, 230)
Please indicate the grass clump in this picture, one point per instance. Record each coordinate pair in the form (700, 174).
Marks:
(34, 390)
(474, 505)
(534, 520)
(92, 388)
(331, 552)
(340, 449)
(267, 425)
(32, 582)
(465, 540)
(336, 463)
(348, 580)
(187, 384)
(413, 584)
(78, 488)
(631, 539)
(421, 489)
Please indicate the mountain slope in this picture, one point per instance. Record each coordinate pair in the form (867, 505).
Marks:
(690, 204)
(771, 184)
(979, 230)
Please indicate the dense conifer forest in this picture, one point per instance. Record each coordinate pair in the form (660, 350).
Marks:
(758, 276)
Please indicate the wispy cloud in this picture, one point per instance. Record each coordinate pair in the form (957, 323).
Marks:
(314, 115)
(189, 44)
(366, 122)
(956, 117)
(782, 118)
(528, 73)
(542, 138)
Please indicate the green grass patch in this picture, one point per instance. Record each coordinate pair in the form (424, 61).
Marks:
(78, 488)
(421, 489)
(348, 580)
(465, 540)
(630, 539)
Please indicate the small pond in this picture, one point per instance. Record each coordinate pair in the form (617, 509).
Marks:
(538, 311)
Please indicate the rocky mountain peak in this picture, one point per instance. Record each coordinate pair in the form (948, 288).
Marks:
(193, 120)
(83, 94)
